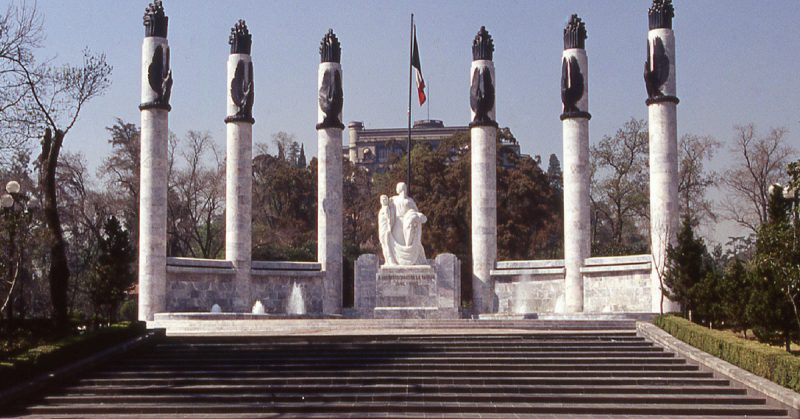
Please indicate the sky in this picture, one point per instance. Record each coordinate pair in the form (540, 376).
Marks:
(736, 63)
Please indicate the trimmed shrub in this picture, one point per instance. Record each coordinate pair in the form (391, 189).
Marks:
(773, 364)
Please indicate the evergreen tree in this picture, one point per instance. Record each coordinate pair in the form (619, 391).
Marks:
(687, 267)
(293, 153)
(735, 290)
(774, 303)
(112, 275)
(555, 174)
(301, 160)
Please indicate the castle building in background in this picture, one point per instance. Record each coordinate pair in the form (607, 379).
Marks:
(374, 149)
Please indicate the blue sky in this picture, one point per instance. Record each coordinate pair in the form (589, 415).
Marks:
(736, 63)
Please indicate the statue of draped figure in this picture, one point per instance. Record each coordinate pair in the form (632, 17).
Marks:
(400, 229)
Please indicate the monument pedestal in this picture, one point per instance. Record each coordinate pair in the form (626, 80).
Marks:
(408, 292)
(405, 292)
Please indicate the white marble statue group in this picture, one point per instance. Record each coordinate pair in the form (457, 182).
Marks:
(400, 229)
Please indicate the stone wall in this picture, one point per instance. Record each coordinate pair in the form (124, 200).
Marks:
(611, 285)
(617, 284)
(535, 286)
(274, 289)
(195, 285)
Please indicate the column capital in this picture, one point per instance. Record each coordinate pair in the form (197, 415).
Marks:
(575, 33)
(155, 21)
(660, 14)
(240, 39)
(330, 50)
(482, 45)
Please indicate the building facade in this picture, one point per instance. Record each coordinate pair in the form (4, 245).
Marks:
(374, 149)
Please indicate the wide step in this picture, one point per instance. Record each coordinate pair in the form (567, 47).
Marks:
(599, 370)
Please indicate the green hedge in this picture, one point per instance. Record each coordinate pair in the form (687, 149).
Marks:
(55, 355)
(771, 363)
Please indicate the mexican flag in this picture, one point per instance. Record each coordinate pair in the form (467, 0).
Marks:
(418, 69)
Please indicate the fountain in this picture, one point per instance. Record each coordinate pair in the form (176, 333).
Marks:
(216, 309)
(258, 308)
(296, 305)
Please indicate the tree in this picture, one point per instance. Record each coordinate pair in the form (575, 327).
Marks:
(735, 289)
(197, 203)
(284, 208)
(555, 175)
(20, 34)
(761, 161)
(693, 179)
(112, 275)
(529, 210)
(58, 94)
(83, 210)
(301, 160)
(776, 266)
(47, 99)
(619, 193)
(19, 233)
(360, 221)
(120, 170)
(284, 144)
(529, 220)
(687, 268)
(293, 153)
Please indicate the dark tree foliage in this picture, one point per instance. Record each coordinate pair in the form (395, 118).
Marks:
(284, 209)
(528, 208)
(440, 187)
(774, 303)
(555, 174)
(687, 267)
(112, 275)
(528, 213)
(735, 289)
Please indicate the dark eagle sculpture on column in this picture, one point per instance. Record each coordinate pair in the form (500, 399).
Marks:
(481, 97)
(571, 84)
(656, 68)
(159, 75)
(331, 99)
(242, 91)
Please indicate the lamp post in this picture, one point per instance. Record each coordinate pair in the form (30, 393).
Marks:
(790, 194)
(17, 210)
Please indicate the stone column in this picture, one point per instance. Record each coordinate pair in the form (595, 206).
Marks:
(483, 146)
(329, 171)
(659, 75)
(239, 163)
(354, 127)
(575, 126)
(156, 89)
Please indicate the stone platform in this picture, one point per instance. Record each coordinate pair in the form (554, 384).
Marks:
(234, 324)
(646, 317)
(430, 291)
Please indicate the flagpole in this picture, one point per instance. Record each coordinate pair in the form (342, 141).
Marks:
(408, 141)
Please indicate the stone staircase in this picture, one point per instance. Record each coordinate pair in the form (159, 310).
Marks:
(539, 369)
